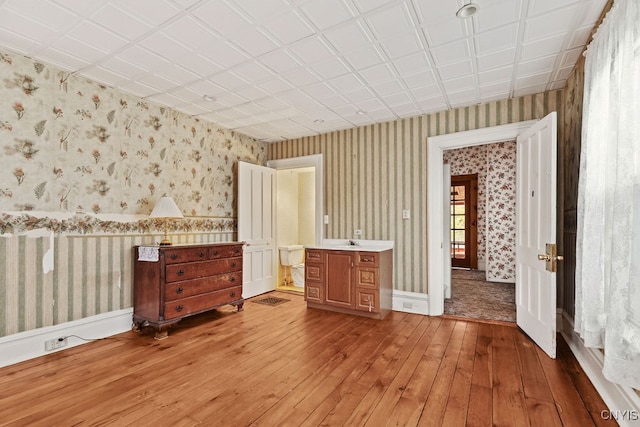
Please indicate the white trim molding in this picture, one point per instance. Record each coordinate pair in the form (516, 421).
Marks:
(623, 402)
(410, 302)
(436, 145)
(27, 345)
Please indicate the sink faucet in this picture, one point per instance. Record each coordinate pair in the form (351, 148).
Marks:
(353, 243)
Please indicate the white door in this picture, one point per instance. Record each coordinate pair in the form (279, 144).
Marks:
(256, 192)
(446, 177)
(536, 226)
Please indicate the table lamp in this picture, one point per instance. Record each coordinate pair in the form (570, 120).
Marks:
(166, 208)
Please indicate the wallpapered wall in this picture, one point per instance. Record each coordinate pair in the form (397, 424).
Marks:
(87, 163)
(495, 165)
(374, 172)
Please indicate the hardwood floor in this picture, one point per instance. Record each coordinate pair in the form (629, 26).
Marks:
(287, 365)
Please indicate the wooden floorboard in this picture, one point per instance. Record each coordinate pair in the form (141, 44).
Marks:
(288, 365)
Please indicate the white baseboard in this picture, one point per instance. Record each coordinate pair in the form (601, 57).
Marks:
(30, 344)
(622, 401)
(410, 302)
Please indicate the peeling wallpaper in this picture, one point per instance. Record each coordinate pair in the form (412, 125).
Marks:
(82, 166)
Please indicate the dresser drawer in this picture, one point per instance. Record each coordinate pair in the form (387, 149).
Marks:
(180, 255)
(201, 253)
(369, 259)
(194, 270)
(195, 304)
(188, 288)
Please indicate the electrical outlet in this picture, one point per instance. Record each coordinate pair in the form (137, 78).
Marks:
(55, 343)
(326, 219)
(357, 232)
(405, 214)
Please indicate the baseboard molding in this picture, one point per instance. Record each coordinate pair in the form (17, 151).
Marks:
(410, 302)
(30, 344)
(617, 398)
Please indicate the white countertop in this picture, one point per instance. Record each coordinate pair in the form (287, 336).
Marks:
(360, 245)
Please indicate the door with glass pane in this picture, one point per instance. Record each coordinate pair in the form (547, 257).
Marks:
(464, 224)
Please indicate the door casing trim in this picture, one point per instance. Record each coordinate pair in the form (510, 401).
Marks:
(436, 145)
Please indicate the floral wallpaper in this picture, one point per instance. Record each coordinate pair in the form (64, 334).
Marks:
(71, 145)
(495, 165)
(501, 212)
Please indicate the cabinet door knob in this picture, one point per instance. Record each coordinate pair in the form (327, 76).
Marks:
(179, 290)
(173, 256)
(179, 308)
(180, 272)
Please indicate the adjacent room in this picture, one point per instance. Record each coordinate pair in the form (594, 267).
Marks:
(319, 212)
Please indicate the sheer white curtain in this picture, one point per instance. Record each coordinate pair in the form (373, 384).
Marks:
(608, 248)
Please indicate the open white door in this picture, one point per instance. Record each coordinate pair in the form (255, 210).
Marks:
(446, 242)
(536, 227)
(256, 192)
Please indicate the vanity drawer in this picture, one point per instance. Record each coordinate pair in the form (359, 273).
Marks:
(313, 271)
(370, 259)
(187, 288)
(367, 277)
(195, 304)
(368, 300)
(194, 270)
(314, 255)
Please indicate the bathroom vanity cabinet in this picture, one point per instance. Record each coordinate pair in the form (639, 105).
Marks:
(174, 282)
(349, 281)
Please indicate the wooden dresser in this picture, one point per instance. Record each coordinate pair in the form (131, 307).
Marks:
(173, 282)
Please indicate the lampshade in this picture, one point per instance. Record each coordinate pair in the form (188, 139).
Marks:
(166, 208)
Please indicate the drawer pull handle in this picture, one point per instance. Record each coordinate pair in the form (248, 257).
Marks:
(232, 279)
(215, 253)
(233, 264)
(201, 254)
(180, 272)
(174, 256)
(179, 290)
(233, 294)
(179, 308)
(236, 251)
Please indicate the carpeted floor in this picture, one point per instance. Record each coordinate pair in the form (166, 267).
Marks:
(473, 297)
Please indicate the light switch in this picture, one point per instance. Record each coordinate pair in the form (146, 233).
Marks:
(405, 214)
(326, 219)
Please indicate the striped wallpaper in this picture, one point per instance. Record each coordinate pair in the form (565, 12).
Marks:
(92, 275)
(374, 172)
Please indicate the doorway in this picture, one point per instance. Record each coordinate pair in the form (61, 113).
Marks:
(464, 221)
(436, 148)
(298, 212)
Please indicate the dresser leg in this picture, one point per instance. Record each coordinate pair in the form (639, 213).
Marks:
(161, 334)
(238, 304)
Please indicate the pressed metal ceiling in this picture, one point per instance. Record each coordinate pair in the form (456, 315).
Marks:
(282, 69)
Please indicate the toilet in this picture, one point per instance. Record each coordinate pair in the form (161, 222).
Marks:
(291, 257)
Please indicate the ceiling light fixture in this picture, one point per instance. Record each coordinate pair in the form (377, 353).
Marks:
(360, 113)
(318, 121)
(467, 11)
(209, 98)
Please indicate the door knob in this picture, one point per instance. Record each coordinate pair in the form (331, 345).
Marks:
(550, 257)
